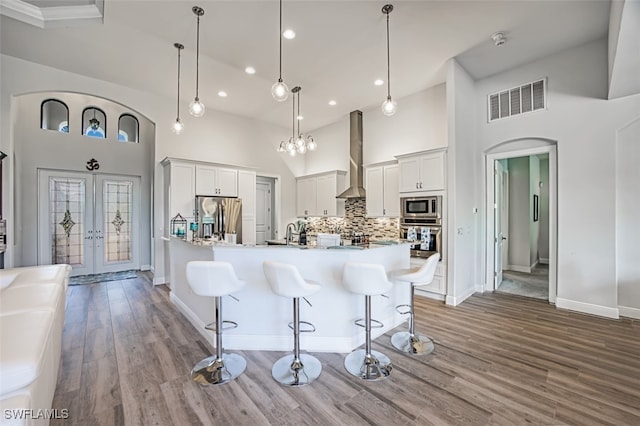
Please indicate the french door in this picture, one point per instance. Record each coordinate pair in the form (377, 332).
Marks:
(89, 221)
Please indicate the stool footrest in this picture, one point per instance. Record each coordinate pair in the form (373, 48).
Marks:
(312, 328)
(408, 310)
(374, 323)
(229, 325)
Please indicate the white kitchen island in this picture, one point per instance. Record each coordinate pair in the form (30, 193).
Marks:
(262, 316)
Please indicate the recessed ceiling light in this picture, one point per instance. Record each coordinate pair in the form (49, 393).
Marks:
(289, 34)
(222, 94)
(378, 82)
(332, 102)
(250, 70)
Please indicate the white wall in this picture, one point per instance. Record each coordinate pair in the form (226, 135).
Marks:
(216, 137)
(543, 242)
(628, 218)
(420, 124)
(584, 124)
(519, 216)
(534, 226)
(462, 219)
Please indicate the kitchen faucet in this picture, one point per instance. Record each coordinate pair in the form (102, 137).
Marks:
(291, 228)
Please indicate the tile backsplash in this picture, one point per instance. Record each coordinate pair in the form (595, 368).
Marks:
(355, 220)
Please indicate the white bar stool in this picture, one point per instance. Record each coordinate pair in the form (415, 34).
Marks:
(295, 369)
(369, 280)
(216, 279)
(408, 341)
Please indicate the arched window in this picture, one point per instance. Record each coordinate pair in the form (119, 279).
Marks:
(128, 128)
(54, 115)
(94, 121)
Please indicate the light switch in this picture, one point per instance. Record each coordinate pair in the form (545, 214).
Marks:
(460, 231)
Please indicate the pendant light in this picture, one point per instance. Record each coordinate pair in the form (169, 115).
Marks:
(196, 108)
(178, 126)
(303, 142)
(279, 90)
(389, 107)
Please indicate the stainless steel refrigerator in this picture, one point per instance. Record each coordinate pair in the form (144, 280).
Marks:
(219, 216)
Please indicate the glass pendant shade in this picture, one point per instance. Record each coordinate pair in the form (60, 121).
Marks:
(177, 126)
(311, 144)
(389, 106)
(281, 147)
(280, 91)
(196, 108)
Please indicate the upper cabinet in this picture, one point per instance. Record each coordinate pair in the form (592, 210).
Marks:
(422, 172)
(216, 181)
(316, 195)
(383, 197)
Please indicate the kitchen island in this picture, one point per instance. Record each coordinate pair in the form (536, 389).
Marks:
(262, 316)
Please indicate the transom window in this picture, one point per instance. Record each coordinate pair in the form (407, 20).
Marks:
(128, 128)
(54, 115)
(94, 121)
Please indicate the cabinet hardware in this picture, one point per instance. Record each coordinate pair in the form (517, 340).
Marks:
(416, 185)
(420, 185)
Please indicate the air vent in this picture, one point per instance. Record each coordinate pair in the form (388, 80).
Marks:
(519, 100)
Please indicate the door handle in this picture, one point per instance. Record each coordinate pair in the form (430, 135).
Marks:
(88, 238)
(504, 238)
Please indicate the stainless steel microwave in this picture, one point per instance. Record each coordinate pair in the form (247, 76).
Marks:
(421, 207)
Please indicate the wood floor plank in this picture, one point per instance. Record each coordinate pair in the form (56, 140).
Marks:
(499, 360)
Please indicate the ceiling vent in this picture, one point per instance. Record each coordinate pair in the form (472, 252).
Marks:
(519, 100)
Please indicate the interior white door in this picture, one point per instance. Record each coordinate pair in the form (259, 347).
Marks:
(264, 211)
(88, 221)
(501, 210)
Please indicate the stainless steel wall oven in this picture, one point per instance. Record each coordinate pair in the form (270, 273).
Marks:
(421, 225)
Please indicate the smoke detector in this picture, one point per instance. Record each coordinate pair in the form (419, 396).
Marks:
(498, 38)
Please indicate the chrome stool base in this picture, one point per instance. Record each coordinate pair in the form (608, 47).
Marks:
(215, 371)
(412, 344)
(284, 372)
(373, 368)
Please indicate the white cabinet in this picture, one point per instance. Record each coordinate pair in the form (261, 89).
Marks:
(316, 195)
(383, 197)
(179, 185)
(439, 283)
(422, 172)
(216, 181)
(306, 196)
(247, 192)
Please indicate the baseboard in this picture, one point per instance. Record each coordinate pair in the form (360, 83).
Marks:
(543, 261)
(518, 268)
(160, 280)
(588, 308)
(456, 300)
(429, 295)
(628, 312)
(145, 267)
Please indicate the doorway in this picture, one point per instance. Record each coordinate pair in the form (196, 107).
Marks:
(265, 214)
(521, 222)
(89, 221)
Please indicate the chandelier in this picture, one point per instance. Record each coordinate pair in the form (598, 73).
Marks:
(298, 143)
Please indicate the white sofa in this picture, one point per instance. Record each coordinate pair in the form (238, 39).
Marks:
(32, 304)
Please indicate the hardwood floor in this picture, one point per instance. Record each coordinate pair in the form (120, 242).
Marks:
(499, 360)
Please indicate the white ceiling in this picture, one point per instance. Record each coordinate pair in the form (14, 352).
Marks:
(338, 52)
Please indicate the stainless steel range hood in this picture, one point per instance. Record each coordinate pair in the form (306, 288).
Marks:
(356, 180)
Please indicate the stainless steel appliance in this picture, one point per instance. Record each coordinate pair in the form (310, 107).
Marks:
(421, 207)
(218, 216)
(421, 225)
